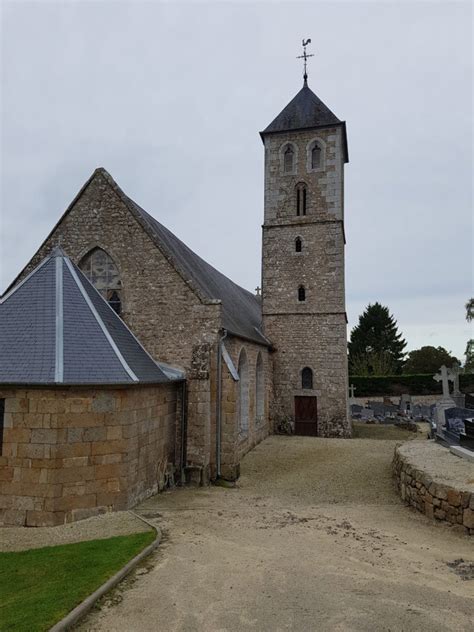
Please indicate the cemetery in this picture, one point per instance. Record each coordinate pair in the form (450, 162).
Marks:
(436, 476)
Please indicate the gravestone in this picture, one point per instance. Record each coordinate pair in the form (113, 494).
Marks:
(366, 414)
(467, 440)
(405, 405)
(458, 397)
(355, 411)
(444, 376)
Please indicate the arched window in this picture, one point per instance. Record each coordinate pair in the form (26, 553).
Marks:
(260, 390)
(102, 272)
(301, 198)
(298, 244)
(316, 156)
(301, 294)
(307, 378)
(243, 396)
(288, 159)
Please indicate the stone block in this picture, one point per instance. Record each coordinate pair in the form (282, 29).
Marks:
(109, 447)
(44, 435)
(103, 403)
(68, 503)
(82, 514)
(44, 518)
(13, 517)
(17, 435)
(454, 497)
(468, 518)
(98, 433)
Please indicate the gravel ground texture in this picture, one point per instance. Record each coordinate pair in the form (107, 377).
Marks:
(96, 528)
(314, 537)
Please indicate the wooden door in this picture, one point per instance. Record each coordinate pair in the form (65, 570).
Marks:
(306, 416)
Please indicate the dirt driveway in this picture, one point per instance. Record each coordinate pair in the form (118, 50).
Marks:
(314, 538)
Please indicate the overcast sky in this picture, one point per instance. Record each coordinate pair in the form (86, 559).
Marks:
(170, 98)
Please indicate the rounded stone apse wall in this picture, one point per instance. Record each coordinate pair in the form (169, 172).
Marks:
(436, 483)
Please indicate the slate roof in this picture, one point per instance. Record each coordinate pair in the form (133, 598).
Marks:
(241, 310)
(55, 328)
(305, 111)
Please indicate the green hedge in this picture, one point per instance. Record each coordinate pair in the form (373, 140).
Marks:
(423, 384)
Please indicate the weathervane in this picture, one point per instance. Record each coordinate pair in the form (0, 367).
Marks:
(305, 57)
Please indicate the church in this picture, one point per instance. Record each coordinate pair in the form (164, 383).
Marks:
(128, 363)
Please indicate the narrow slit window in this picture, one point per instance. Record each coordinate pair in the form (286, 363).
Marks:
(307, 378)
(301, 199)
(115, 302)
(288, 159)
(316, 157)
(2, 423)
(298, 244)
(301, 294)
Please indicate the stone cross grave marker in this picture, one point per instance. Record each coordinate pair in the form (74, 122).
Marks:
(444, 376)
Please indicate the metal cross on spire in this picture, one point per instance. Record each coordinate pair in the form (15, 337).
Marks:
(305, 56)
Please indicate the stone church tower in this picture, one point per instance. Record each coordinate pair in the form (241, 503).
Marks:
(303, 298)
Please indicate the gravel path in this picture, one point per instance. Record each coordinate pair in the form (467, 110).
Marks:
(314, 537)
(99, 527)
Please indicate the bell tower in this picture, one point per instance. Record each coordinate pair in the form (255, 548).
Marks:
(303, 296)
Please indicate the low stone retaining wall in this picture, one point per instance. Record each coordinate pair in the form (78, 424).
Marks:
(436, 482)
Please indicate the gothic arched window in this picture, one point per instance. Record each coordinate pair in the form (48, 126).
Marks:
(307, 378)
(298, 244)
(316, 156)
(243, 396)
(301, 293)
(100, 269)
(301, 198)
(260, 390)
(288, 159)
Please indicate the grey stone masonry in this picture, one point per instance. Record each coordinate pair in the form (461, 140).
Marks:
(303, 293)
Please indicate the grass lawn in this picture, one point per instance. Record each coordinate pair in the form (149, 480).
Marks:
(40, 586)
(380, 431)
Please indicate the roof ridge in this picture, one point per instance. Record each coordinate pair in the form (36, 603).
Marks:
(138, 212)
(99, 320)
(81, 274)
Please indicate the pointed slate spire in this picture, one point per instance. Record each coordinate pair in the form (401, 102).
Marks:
(304, 111)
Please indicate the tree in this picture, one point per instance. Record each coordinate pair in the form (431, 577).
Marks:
(428, 360)
(376, 347)
(469, 364)
(470, 310)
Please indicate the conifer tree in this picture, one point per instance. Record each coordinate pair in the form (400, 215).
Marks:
(376, 347)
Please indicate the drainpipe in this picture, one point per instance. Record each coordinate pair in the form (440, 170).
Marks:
(184, 431)
(219, 403)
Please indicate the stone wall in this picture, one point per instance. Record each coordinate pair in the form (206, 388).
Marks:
(436, 483)
(69, 453)
(310, 333)
(235, 443)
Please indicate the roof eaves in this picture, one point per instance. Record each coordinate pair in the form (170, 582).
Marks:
(301, 129)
